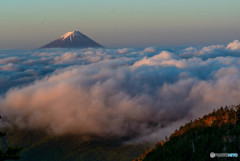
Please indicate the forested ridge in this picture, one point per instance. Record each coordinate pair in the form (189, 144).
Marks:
(217, 132)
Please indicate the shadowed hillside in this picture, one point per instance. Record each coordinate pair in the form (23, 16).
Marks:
(38, 146)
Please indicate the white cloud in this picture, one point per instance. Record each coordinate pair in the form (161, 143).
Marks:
(149, 50)
(161, 58)
(234, 46)
(9, 67)
(122, 51)
(9, 60)
(65, 57)
(102, 92)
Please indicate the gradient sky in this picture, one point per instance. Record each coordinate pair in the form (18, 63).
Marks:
(127, 23)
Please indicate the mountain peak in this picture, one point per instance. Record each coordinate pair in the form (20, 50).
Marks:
(71, 34)
(73, 39)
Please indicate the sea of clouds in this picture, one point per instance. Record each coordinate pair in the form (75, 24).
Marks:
(145, 93)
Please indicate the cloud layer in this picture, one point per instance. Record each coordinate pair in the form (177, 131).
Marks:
(116, 92)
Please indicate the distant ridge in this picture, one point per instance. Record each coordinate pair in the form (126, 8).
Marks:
(73, 39)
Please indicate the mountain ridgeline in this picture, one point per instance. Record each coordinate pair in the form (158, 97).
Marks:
(73, 39)
(217, 132)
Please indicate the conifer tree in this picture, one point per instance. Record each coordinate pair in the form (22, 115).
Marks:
(238, 115)
(10, 153)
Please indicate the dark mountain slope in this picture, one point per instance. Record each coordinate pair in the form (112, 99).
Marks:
(39, 146)
(217, 132)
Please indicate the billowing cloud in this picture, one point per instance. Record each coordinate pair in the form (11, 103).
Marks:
(234, 46)
(231, 49)
(8, 67)
(139, 93)
(123, 51)
(9, 60)
(150, 50)
(66, 57)
(164, 58)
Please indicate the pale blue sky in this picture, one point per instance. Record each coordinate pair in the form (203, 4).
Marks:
(125, 23)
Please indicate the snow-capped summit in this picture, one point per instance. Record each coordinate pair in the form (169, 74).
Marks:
(72, 34)
(73, 39)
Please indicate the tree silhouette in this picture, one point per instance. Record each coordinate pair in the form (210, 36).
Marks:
(238, 115)
(10, 153)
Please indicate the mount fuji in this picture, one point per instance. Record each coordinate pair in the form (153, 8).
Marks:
(73, 39)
